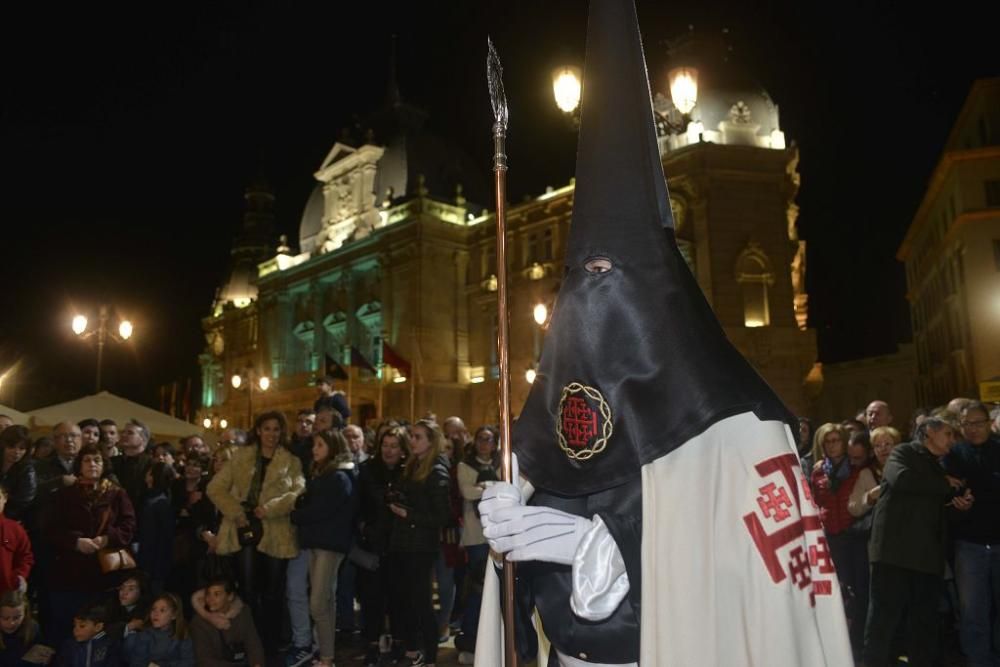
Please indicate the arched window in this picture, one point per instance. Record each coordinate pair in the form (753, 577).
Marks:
(753, 273)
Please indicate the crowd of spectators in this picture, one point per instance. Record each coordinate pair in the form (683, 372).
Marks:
(273, 544)
(280, 542)
(911, 515)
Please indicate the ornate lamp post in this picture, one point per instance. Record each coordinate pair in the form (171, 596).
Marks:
(103, 333)
(250, 381)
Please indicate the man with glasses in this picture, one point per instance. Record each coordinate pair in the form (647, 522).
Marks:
(56, 471)
(976, 461)
(133, 463)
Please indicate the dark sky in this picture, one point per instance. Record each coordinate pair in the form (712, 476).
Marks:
(128, 133)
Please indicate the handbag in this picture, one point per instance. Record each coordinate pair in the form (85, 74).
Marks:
(113, 559)
(363, 558)
(250, 534)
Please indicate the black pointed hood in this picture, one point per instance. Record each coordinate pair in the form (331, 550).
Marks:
(635, 362)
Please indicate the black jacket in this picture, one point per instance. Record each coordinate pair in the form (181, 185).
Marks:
(131, 474)
(979, 468)
(324, 514)
(375, 519)
(428, 510)
(21, 485)
(908, 524)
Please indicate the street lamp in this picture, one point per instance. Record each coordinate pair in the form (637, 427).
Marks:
(683, 85)
(79, 326)
(567, 88)
(252, 382)
(541, 314)
(213, 422)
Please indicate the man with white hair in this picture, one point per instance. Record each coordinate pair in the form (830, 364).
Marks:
(131, 466)
(56, 471)
(877, 414)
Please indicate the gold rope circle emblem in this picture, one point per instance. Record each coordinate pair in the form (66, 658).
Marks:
(581, 437)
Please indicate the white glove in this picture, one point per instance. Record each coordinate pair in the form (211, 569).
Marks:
(534, 533)
(496, 496)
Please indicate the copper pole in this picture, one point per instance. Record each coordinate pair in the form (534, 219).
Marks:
(498, 100)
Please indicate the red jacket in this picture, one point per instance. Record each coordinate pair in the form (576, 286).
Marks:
(833, 504)
(16, 558)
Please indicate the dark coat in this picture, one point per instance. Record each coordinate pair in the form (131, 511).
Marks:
(48, 476)
(337, 402)
(14, 647)
(156, 537)
(908, 524)
(101, 651)
(131, 474)
(21, 484)
(325, 514)
(78, 514)
(979, 468)
(375, 519)
(428, 504)
(152, 645)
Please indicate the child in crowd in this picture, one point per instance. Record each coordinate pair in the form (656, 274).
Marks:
(90, 646)
(156, 526)
(129, 606)
(223, 631)
(164, 641)
(16, 557)
(20, 639)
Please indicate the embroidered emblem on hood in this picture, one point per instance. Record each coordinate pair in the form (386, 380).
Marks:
(584, 424)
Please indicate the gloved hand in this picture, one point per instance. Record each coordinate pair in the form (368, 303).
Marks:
(535, 533)
(497, 495)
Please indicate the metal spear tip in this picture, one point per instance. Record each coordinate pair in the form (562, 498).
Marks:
(494, 76)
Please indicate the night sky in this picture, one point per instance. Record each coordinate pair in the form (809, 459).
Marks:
(128, 134)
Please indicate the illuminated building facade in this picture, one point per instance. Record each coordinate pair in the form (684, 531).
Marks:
(952, 257)
(390, 251)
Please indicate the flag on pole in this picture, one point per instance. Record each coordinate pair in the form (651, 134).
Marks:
(358, 360)
(334, 369)
(391, 357)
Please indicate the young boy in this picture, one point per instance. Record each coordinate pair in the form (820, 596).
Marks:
(90, 646)
(222, 629)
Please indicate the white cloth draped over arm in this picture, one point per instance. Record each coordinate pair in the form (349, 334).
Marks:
(600, 582)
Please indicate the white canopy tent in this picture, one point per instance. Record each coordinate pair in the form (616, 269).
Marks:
(18, 416)
(106, 405)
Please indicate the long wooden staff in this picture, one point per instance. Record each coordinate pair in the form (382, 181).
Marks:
(498, 99)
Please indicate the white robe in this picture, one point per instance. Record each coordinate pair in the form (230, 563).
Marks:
(735, 568)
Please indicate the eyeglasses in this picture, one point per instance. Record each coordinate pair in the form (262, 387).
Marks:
(68, 436)
(976, 424)
(226, 443)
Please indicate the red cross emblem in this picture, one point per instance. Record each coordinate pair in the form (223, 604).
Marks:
(584, 425)
(809, 564)
(579, 422)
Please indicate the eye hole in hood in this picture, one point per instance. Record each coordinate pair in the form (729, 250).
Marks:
(598, 264)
